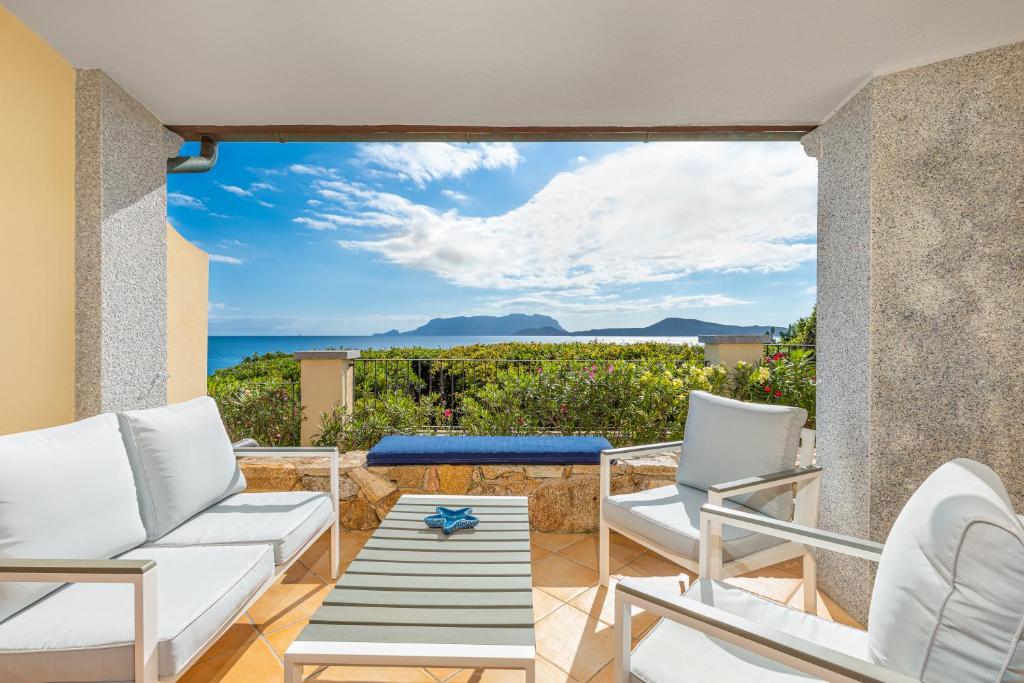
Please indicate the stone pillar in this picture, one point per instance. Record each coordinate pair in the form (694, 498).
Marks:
(326, 381)
(120, 249)
(920, 292)
(730, 349)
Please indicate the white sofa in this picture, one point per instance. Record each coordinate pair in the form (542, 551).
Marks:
(128, 544)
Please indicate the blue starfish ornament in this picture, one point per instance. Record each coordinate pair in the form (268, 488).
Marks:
(449, 520)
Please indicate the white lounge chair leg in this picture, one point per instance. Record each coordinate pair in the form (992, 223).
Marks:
(335, 549)
(146, 662)
(604, 551)
(810, 583)
(623, 639)
(292, 673)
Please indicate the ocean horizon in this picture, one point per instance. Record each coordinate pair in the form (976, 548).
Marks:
(223, 351)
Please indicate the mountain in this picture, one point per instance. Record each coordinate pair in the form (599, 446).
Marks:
(484, 325)
(676, 327)
(522, 325)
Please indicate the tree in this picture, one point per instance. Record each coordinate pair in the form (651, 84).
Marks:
(803, 331)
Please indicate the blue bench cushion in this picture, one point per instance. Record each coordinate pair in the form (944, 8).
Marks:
(506, 450)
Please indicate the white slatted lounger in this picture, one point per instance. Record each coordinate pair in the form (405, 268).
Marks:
(415, 597)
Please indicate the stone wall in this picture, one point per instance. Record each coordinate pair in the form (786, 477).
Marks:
(920, 292)
(562, 497)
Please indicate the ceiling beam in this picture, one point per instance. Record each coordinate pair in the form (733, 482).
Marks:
(402, 133)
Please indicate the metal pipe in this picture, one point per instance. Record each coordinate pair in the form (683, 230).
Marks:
(196, 164)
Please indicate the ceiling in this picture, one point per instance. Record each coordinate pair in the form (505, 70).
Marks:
(507, 63)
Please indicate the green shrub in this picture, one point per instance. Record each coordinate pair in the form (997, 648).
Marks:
(785, 378)
(373, 419)
(627, 403)
(271, 414)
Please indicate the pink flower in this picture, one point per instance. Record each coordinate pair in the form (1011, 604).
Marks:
(540, 370)
(611, 368)
(447, 413)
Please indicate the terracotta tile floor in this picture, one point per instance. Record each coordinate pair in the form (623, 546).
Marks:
(573, 614)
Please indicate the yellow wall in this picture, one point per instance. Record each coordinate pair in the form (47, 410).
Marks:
(187, 304)
(37, 231)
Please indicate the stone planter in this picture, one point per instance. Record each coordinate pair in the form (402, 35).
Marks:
(563, 498)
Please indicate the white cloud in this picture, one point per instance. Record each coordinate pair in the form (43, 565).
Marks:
(455, 196)
(314, 224)
(265, 204)
(306, 169)
(266, 171)
(581, 159)
(649, 213)
(812, 290)
(235, 190)
(422, 162)
(221, 258)
(221, 215)
(668, 304)
(314, 202)
(256, 187)
(185, 200)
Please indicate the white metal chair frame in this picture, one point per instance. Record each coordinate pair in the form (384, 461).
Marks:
(806, 478)
(142, 574)
(797, 653)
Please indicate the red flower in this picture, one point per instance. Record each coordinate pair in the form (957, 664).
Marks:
(447, 413)
(767, 389)
(778, 394)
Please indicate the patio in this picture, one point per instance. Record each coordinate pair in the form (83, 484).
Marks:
(574, 618)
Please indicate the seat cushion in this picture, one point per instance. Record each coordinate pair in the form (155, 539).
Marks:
(182, 459)
(284, 520)
(948, 602)
(506, 450)
(726, 440)
(670, 517)
(65, 492)
(671, 648)
(85, 632)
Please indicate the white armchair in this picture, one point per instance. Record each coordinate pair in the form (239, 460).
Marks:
(745, 456)
(947, 605)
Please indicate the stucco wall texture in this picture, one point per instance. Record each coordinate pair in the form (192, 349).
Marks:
(121, 249)
(920, 291)
(187, 307)
(37, 218)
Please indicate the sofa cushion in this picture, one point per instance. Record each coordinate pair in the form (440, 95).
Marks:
(949, 593)
(727, 440)
(182, 460)
(285, 520)
(670, 648)
(65, 492)
(670, 517)
(475, 450)
(85, 632)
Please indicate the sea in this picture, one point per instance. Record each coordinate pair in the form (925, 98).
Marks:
(225, 351)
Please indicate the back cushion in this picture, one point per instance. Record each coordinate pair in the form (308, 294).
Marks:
(948, 603)
(727, 440)
(65, 493)
(182, 459)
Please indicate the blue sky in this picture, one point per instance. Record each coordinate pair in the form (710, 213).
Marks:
(340, 238)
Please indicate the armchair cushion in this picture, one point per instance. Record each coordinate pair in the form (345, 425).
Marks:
(285, 520)
(671, 647)
(727, 440)
(85, 632)
(670, 517)
(65, 492)
(948, 602)
(182, 460)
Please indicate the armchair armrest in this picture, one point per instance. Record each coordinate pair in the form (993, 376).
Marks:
(797, 653)
(609, 455)
(810, 536)
(630, 452)
(283, 451)
(141, 574)
(765, 481)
